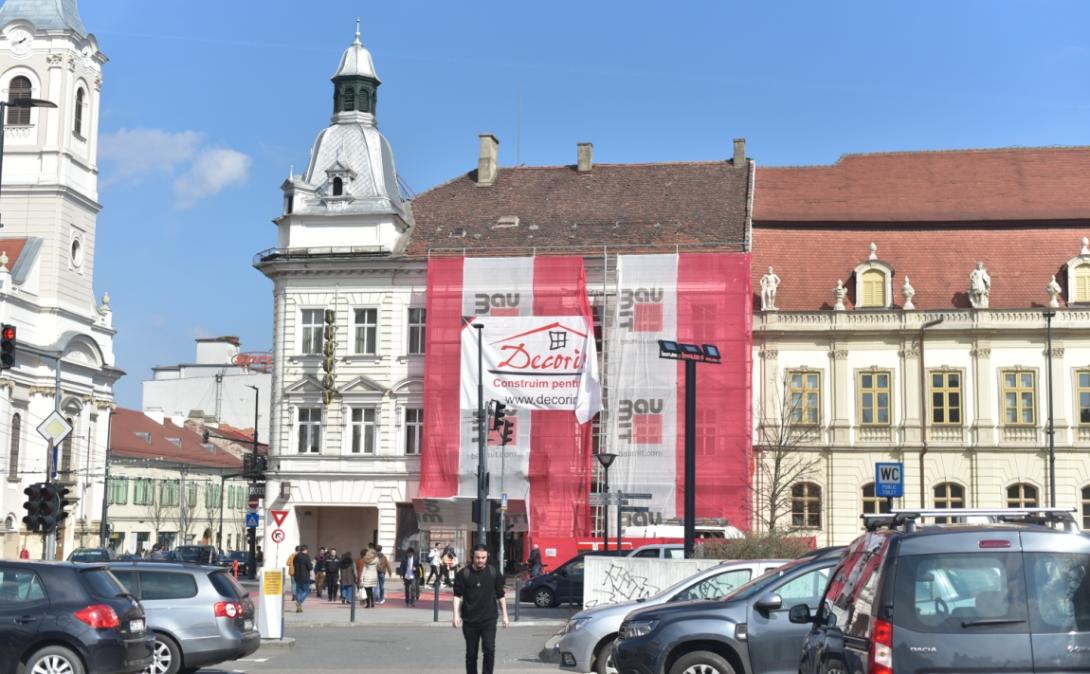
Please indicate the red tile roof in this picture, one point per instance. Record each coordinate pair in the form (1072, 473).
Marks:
(643, 205)
(1013, 184)
(134, 435)
(242, 436)
(1019, 257)
(13, 247)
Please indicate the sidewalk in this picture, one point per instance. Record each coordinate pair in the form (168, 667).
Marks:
(317, 612)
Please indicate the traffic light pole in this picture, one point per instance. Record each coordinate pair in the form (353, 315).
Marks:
(482, 458)
(49, 547)
(251, 534)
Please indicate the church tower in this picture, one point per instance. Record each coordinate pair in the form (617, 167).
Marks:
(48, 209)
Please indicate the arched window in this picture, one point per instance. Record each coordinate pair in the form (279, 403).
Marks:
(348, 99)
(873, 505)
(1082, 283)
(873, 289)
(806, 506)
(77, 123)
(365, 100)
(13, 452)
(338, 187)
(948, 495)
(19, 88)
(1021, 495)
(66, 450)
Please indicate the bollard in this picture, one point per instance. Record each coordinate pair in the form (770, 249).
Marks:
(518, 592)
(435, 606)
(352, 601)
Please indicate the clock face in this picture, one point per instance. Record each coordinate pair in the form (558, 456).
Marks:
(20, 41)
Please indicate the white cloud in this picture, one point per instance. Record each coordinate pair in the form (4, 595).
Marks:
(213, 170)
(200, 170)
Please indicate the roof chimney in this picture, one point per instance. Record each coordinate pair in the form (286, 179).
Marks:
(586, 152)
(487, 163)
(739, 152)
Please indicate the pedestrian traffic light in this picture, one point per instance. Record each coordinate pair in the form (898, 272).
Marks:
(494, 514)
(505, 432)
(33, 507)
(499, 411)
(7, 346)
(49, 514)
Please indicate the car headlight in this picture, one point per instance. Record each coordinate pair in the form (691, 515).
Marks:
(639, 628)
(576, 624)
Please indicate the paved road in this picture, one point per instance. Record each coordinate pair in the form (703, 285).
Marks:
(335, 650)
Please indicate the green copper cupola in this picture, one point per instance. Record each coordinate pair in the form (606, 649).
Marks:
(355, 84)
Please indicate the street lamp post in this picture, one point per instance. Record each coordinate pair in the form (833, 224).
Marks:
(606, 459)
(482, 458)
(1051, 431)
(252, 557)
(691, 354)
(16, 103)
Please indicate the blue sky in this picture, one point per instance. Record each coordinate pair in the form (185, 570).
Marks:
(207, 104)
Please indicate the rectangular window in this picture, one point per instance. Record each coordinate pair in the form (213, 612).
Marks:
(1019, 396)
(366, 331)
(212, 495)
(946, 398)
(873, 392)
(416, 331)
(312, 326)
(804, 396)
(168, 492)
(1082, 394)
(119, 491)
(414, 429)
(192, 488)
(143, 492)
(363, 430)
(310, 430)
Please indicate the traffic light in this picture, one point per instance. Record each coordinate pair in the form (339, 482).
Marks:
(62, 502)
(494, 514)
(50, 511)
(33, 507)
(505, 433)
(499, 411)
(7, 346)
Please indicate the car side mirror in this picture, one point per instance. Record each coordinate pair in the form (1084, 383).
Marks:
(800, 614)
(770, 602)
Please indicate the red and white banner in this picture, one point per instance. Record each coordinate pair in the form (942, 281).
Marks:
(535, 315)
(698, 299)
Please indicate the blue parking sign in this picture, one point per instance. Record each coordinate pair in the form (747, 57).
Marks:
(889, 480)
(252, 520)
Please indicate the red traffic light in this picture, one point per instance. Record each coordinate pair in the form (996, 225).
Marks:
(8, 332)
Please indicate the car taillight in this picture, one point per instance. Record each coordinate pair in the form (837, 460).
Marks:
(98, 617)
(881, 648)
(228, 609)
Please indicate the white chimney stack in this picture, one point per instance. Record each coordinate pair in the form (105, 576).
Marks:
(487, 164)
(739, 152)
(585, 157)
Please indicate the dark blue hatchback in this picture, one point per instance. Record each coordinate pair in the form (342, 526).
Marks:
(59, 616)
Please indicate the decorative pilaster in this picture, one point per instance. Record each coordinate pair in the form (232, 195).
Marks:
(910, 366)
(842, 395)
(984, 385)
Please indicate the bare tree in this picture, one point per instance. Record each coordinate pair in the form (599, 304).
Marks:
(212, 512)
(186, 509)
(785, 455)
(155, 510)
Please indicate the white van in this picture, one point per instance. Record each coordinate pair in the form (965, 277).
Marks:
(678, 531)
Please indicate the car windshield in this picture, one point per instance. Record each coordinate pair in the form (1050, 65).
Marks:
(754, 586)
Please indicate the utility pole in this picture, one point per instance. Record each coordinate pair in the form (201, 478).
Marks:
(103, 525)
(482, 458)
(251, 534)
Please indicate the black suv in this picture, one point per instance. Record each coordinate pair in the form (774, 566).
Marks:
(562, 586)
(65, 617)
(1009, 594)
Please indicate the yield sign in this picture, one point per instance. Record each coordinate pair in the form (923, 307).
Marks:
(279, 516)
(55, 428)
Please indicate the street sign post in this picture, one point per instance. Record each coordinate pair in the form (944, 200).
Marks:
(889, 480)
(277, 536)
(252, 520)
(278, 516)
(55, 428)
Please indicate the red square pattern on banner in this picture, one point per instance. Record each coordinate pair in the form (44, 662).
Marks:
(647, 429)
(648, 317)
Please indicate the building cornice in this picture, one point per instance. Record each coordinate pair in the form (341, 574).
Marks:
(891, 323)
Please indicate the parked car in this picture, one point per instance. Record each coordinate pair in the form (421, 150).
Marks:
(746, 632)
(86, 555)
(564, 585)
(1011, 596)
(587, 644)
(196, 554)
(199, 615)
(241, 556)
(659, 551)
(72, 618)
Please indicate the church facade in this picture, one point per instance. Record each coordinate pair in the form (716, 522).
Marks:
(48, 208)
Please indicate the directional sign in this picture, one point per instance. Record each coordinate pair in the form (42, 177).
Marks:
(278, 516)
(277, 535)
(889, 480)
(252, 520)
(55, 428)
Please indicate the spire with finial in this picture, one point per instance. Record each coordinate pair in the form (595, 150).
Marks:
(357, 40)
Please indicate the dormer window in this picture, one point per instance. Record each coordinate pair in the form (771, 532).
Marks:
(874, 289)
(1081, 274)
(873, 283)
(19, 88)
(77, 122)
(338, 187)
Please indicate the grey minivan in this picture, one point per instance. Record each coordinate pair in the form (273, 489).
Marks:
(200, 615)
(1011, 594)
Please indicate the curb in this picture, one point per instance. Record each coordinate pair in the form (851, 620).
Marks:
(441, 623)
(286, 642)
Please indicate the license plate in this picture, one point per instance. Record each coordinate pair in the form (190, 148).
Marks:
(247, 625)
(136, 625)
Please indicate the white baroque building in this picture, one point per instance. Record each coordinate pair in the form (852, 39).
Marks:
(48, 208)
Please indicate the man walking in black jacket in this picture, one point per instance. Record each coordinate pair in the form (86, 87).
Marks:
(478, 603)
(300, 573)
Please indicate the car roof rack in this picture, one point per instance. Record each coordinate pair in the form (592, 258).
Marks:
(908, 517)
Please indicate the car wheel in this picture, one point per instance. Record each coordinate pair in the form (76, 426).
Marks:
(603, 659)
(166, 657)
(544, 598)
(701, 662)
(53, 660)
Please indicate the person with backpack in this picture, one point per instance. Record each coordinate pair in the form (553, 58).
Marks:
(478, 604)
(301, 570)
(383, 571)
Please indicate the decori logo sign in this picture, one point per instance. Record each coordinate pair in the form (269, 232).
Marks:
(496, 304)
(548, 350)
(639, 421)
(641, 309)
